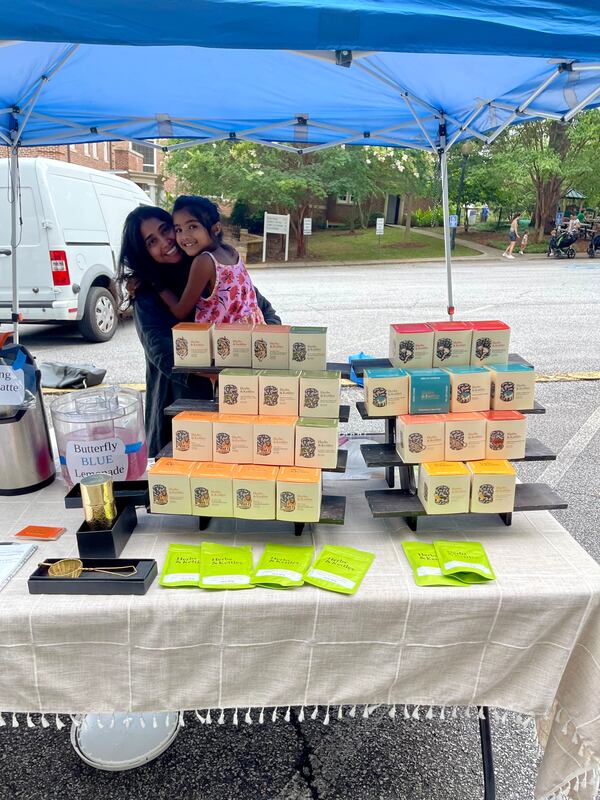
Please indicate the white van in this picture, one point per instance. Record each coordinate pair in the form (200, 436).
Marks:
(68, 246)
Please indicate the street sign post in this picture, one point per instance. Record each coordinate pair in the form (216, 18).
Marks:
(276, 223)
(453, 221)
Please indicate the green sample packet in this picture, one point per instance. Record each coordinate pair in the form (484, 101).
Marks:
(466, 561)
(224, 567)
(182, 566)
(423, 559)
(282, 566)
(339, 569)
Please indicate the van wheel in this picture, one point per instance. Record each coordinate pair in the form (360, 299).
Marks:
(99, 321)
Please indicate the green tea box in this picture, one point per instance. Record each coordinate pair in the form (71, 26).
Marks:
(411, 345)
(211, 486)
(254, 489)
(193, 435)
(271, 346)
(192, 344)
(274, 440)
(320, 394)
(386, 392)
(169, 485)
(506, 434)
(238, 391)
(233, 439)
(308, 348)
(278, 392)
(299, 494)
(464, 437)
(317, 443)
(491, 340)
(420, 437)
(492, 486)
(513, 387)
(451, 343)
(444, 487)
(232, 344)
(469, 388)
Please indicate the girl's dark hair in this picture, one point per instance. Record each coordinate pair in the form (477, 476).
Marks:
(134, 258)
(206, 212)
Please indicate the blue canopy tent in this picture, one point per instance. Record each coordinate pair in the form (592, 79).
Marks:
(402, 73)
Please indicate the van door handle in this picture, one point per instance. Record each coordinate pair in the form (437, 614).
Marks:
(4, 252)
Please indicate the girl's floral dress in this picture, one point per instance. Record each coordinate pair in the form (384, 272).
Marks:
(233, 299)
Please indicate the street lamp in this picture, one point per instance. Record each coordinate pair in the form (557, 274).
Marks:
(466, 150)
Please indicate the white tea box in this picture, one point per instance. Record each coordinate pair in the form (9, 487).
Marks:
(320, 394)
(278, 392)
(386, 392)
(491, 340)
(238, 391)
(464, 437)
(271, 346)
(317, 443)
(193, 435)
(469, 388)
(192, 344)
(254, 489)
(211, 487)
(513, 387)
(420, 437)
(232, 344)
(444, 487)
(411, 345)
(506, 434)
(299, 494)
(492, 486)
(169, 485)
(451, 343)
(233, 439)
(308, 348)
(274, 440)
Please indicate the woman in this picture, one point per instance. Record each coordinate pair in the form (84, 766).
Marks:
(150, 256)
(513, 235)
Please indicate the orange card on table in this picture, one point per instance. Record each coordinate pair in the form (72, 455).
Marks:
(43, 532)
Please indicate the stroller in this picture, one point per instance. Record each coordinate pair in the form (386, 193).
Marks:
(594, 246)
(561, 244)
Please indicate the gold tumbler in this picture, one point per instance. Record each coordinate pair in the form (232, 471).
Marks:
(98, 501)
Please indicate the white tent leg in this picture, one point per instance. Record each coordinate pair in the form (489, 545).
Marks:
(14, 200)
(447, 247)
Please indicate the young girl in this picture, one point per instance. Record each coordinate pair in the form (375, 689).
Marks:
(218, 286)
(524, 241)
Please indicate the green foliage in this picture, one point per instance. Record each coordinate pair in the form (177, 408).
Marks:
(428, 218)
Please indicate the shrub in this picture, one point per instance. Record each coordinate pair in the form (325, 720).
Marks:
(426, 218)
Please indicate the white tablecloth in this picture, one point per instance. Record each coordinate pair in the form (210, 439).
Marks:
(530, 641)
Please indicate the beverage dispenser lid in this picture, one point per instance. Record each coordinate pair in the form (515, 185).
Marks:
(97, 405)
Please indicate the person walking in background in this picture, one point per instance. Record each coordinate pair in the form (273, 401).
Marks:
(513, 235)
(524, 240)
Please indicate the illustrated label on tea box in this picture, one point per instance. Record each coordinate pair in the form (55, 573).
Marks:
(211, 487)
(411, 345)
(513, 386)
(491, 339)
(192, 344)
(254, 490)
(506, 434)
(420, 438)
(307, 348)
(451, 343)
(320, 394)
(492, 486)
(469, 388)
(238, 391)
(270, 346)
(299, 494)
(278, 392)
(193, 435)
(316, 443)
(233, 439)
(429, 391)
(444, 487)
(232, 345)
(169, 484)
(464, 437)
(386, 392)
(274, 440)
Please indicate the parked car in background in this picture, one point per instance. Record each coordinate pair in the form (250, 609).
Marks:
(68, 244)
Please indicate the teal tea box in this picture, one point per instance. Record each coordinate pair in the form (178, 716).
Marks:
(513, 387)
(469, 388)
(386, 392)
(429, 391)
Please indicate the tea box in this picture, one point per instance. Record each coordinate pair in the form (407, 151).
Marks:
(429, 391)
(451, 343)
(233, 439)
(444, 487)
(169, 485)
(192, 344)
(307, 348)
(299, 494)
(211, 486)
(411, 345)
(469, 388)
(271, 346)
(238, 391)
(193, 435)
(464, 437)
(420, 437)
(274, 440)
(278, 392)
(320, 394)
(492, 486)
(506, 434)
(316, 443)
(513, 387)
(491, 339)
(386, 392)
(232, 344)
(254, 490)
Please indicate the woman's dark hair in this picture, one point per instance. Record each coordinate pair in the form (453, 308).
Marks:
(206, 212)
(134, 258)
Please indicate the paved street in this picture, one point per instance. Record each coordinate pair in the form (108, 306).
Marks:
(553, 308)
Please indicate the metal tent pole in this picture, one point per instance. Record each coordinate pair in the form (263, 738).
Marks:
(14, 199)
(446, 207)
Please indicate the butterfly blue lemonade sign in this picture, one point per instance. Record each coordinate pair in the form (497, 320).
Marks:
(99, 455)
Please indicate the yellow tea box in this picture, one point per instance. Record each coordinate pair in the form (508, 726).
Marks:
(254, 490)
(233, 439)
(193, 435)
(451, 343)
(464, 437)
(192, 344)
(491, 339)
(299, 494)
(513, 387)
(308, 348)
(317, 443)
(411, 345)
(420, 437)
(278, 392)
(238, 391)
(444, 487)
(469, 388)
(169, 485)
(274, 440)
(232, 344)
(271, 346)
(211, 487)
(320, 394)
(492, 486)
(386, 392)
(506, 434)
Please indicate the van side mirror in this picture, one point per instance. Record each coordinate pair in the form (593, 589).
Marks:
(5, 252)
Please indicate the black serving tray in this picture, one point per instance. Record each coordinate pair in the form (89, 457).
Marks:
(133, 492)
(96, 582)
(108, 543)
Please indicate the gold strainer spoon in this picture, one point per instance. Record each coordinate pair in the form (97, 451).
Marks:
(73, 567)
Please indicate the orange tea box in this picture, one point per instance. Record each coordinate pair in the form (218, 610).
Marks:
(274, 439)
(193, 435)
(271, 346)
(211, 487)
(299, 494)
(506, 434)
(254, 490)
(278, 392)
(192, 344)
(444, 487)
(492, 486)
(233, 439)
(232, 344)
(464, 437)
(491, 339)
(169, 485)
(420, 437)
(411, 345)
(238, 391)
(451, 343)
